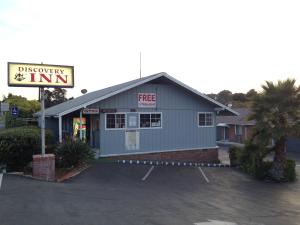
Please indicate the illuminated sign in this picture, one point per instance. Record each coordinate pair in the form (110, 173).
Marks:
(76, 128)
(146, 100)
(40, 75)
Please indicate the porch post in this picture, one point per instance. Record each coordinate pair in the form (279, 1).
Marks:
(60, 129)
(91, 130)
(80, 126)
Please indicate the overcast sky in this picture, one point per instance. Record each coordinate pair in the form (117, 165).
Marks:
(210, 45)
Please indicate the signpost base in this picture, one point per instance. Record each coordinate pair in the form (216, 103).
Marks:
(44, 167)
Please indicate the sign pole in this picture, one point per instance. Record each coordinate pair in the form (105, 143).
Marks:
(42, 94)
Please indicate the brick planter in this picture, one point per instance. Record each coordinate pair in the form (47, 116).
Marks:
(44, 167)
(201, 155)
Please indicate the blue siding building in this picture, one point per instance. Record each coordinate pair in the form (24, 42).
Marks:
(151, 115)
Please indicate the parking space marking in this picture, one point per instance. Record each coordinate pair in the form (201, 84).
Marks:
(203, 174)
(148, 173)
(298, 165)
(1, 176)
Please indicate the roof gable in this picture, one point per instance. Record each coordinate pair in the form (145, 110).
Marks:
(96, 96)
(241, 119)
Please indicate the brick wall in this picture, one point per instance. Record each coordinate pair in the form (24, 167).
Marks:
(203, 155)
(44, 167)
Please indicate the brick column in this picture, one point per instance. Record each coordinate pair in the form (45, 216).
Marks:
(44, 167)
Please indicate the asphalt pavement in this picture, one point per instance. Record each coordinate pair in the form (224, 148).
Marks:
(122, 194)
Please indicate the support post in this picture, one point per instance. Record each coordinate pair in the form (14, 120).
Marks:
(80, 126)
(43, 119)
(60, 129)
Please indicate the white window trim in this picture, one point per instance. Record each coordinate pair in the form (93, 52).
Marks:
(213, 119)
(125, 113)
(147, 128)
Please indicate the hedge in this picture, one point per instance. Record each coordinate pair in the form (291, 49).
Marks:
(17, 145)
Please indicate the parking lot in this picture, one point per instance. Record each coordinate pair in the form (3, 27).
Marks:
(110, 193)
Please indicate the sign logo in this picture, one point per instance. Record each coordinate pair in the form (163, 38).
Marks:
(146, 100)
(40, 75)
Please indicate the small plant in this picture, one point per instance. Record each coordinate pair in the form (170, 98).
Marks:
(73, 153)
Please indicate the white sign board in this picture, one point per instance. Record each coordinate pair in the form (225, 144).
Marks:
(90, 111)
(132, 140)
(40, 75)
(146, 100)
(4, 107)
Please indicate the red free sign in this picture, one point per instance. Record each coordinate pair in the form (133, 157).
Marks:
(146, 100)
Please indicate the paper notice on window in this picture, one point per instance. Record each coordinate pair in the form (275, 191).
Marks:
(132, 140)
(132, 121)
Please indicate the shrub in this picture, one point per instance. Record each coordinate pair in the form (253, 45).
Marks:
(72, 153)
(233, 155)
(17, 145)
(289, 171)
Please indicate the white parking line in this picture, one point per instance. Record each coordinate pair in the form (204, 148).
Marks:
(148, 173)
(203, 174)
(1, 176)
(298, 165)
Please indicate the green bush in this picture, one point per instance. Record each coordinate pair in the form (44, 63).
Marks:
(73, 153)
(233, 155)
(17, 145)
(289, 171)
(250, 159)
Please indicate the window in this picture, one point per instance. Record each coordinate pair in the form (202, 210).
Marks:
(205, 119)
(150, 120)
(238, 130)
(114, 120)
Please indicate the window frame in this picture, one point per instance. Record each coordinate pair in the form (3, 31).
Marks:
(161, 120)
(125, 115)
(212, 119)
(238, 128)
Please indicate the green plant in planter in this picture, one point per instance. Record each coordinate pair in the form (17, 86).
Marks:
(73, 153)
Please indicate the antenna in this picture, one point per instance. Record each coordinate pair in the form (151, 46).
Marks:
(140, 64)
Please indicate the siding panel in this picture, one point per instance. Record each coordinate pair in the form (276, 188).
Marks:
(179, 130)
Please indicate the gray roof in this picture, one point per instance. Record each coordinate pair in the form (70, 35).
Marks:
(96, 96)
(241, 119)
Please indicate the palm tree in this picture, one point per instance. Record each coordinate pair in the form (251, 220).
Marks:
(277, 114)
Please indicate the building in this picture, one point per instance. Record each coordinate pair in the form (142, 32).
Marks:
(155, 117)
(235, 128)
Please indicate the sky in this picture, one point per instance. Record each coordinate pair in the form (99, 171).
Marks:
(210, 45)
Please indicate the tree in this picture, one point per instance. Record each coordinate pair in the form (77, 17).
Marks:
(251, 94)
(225, 97)
(26, 107)
(277, 114)
(213, 96)
(55, 97)
(239, 97)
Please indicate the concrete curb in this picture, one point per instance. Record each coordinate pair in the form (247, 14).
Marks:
(65, 177)
(72, 173)
(172, 163)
